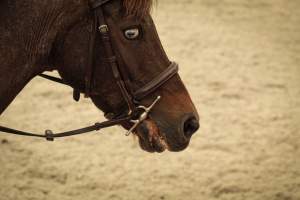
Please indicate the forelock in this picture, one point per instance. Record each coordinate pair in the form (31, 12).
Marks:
(138, 8)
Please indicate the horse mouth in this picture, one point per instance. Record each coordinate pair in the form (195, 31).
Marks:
(150, 138)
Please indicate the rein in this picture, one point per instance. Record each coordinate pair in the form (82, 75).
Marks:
(50, 136)
(136, 113)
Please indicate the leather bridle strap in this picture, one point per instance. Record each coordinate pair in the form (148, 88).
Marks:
(157, 82)
(96, 4)
(50, 136)
(111, 58)
(90, 64)
(55, 79)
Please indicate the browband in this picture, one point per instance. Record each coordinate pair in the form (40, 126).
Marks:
(156, 82)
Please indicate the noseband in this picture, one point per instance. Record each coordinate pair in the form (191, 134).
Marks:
(135, 113)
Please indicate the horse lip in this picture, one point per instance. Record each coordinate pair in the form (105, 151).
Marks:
(178, 147)
(150, 141)
(151, 147)
(160, 144)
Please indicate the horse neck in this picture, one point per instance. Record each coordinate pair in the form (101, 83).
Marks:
(28, 31)
(11, 83)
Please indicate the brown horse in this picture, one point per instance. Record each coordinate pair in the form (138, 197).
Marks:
(38, 36)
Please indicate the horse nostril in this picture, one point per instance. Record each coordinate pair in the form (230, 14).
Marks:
(191, 125)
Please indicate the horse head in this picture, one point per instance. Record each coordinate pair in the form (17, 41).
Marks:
(140, 60)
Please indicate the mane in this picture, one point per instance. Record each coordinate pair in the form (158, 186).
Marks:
(137, 8)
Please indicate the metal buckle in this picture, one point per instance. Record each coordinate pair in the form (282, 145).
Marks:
(103, 28)
(143, 116)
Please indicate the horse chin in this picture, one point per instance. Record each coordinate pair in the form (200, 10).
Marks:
(150, 139)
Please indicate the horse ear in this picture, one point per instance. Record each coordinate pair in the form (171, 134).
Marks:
(76, 95)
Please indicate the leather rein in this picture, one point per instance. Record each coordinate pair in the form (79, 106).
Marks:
(136, 113)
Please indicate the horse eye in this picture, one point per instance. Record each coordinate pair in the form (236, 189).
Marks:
(132, 33)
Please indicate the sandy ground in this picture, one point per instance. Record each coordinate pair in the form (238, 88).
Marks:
(240, 61)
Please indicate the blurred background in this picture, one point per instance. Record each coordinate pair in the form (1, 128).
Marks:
(240, 61)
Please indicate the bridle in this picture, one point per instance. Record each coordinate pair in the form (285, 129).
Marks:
(135, 113)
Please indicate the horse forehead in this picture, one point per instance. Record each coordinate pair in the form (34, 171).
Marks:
(138, 8)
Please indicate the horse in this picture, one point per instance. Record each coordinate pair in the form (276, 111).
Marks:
(110, 51)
